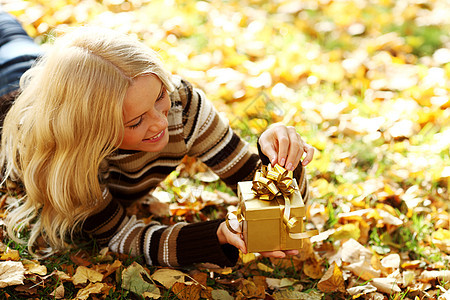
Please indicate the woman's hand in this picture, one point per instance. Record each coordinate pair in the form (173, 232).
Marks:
(225, 236)
(283, 145)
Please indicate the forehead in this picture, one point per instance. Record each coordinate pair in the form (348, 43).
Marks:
(140, 96)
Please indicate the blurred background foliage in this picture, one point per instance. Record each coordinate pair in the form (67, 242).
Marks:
(365, 82)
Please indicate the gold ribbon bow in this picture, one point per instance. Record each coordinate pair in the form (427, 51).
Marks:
(272, 182)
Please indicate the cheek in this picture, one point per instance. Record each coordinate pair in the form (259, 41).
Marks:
(132, 136)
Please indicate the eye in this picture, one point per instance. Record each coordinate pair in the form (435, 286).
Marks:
(137, 124)
(161, 96)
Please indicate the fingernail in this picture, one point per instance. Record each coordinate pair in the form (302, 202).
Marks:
(282, 161)
(289, 167)
(273, 160)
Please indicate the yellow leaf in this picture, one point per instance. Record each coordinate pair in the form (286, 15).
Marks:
(264, 268)
(347, 231)
(91, 288)
(84, 274)
(10, 254)
(313, 268)
(167, 277)
(33, 267)
(332, 280)
(246, 258)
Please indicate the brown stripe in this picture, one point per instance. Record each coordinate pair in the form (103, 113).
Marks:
(130, 244)
(173, 256)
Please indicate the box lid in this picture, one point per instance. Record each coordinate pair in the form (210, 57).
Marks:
(253, 208)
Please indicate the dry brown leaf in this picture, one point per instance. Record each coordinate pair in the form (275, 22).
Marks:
(250, 289)
(332, 280)
(61, 275)
(91, 288)
(79, 259)
(260, 281)
(167, 277)
(220, 295)
(58, 293)
(313, 268)
(186, 292)
(200, 277)
(11, 273)
(83, 275)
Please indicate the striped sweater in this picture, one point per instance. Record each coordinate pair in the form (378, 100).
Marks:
(195, 129)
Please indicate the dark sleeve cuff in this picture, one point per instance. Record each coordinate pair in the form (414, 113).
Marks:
(264, 159)
(198, 243)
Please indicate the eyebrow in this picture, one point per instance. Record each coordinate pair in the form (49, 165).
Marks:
(159, 95)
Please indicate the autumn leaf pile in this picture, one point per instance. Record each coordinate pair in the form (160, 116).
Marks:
(365, 82)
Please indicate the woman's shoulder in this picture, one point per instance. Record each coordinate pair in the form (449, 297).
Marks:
(183, 90)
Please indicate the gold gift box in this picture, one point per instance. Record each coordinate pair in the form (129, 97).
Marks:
(263, 226)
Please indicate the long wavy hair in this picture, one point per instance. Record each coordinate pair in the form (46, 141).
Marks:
(66, 120)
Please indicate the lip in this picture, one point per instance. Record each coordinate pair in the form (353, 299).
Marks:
(156, 138)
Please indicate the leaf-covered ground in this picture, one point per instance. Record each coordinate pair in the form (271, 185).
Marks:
(365, 82)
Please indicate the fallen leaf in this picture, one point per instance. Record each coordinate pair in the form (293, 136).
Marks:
(10, 254)
(246, 258)
(312, 268)
(133, 280)
(426, 276)
(61, 275)
(249, 289)
(200, 277)
(363, 269)
(91, 288)
(221, 295)
(29, 288)
(33, 267)
(11, 273)
(84, 274)
(391, 261)
(361, 290)
(167, 277)
(273, 283)
(264, 268)
(296, 295)
(347, 231)
(386, 285)
(332, 280)
(186, 292)
(58, 293)
(79, 260)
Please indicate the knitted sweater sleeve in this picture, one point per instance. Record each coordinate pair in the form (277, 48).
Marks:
(181, 244)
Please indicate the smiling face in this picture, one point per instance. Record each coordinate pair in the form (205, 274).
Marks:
(145, 110)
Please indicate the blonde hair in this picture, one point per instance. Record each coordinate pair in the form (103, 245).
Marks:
(66, 120)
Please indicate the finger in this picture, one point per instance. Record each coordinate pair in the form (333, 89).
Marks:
(268, 149)
(291, 252)
(276, 254)
(296, 146)
(237, 241)
(309, 150)
(282, 138)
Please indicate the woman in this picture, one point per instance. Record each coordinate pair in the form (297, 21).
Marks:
(97, 125)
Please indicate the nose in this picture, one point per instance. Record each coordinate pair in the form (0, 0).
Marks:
(158, 121)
